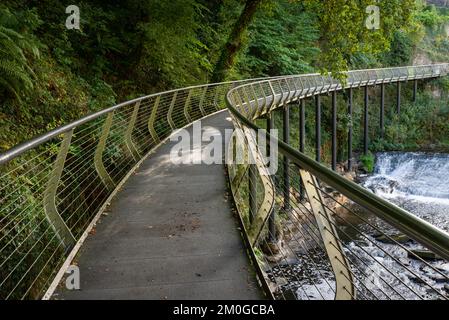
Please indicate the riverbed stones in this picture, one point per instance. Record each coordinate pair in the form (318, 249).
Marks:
(392, 239)
(423, 254)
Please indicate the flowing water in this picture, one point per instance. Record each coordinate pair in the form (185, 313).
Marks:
(417, 182)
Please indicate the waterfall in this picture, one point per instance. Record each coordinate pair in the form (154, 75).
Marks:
(420, 176)
(418, 182)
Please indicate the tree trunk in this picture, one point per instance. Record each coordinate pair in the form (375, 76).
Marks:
(235, 41)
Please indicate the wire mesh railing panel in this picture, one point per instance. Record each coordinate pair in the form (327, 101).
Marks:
(324, 236)
(27, 238)
(54, 186)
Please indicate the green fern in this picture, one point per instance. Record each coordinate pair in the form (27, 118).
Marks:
(16, 76)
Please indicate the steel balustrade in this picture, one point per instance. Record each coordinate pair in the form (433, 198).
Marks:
(55, 187)
(340, 241)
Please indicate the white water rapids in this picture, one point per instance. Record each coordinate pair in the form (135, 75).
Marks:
(417, 182)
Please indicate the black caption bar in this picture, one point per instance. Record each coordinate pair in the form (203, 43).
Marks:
(172, 310)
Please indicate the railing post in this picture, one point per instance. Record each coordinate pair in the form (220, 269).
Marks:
(398, 98)
(273, 94)
(302, 125)
(345, 289)
(252, 187)
(251, 114)
(187, 105)
(170, 111)
(286, 176)
(216, 96)
(264, 98)
(415, 90)
(51, 212)
(152, 119)
(201, 105)
(334, 130)
(382, 110)
(256, 100)
(318, 128)
(98, 157)
(302, 139)
(350, 131)
(366, 124)
(132, 149)
(272, 219)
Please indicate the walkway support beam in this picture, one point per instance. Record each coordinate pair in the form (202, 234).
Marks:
(302, 140)
(415, 90)
(366, 124)
(272, 220)
(318, 128)
(334, 130)
(382, 110)
(350, 129)
(286, 175)
(398, 98)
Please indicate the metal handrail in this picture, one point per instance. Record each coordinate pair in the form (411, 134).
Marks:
(65, 190)
(21, 148)
(430, 236)
(282, 199)
(53, 188)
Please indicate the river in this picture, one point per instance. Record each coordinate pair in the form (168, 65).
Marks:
(382, 269)
(417, 182)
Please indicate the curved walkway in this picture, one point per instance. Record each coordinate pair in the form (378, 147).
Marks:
(169, 234)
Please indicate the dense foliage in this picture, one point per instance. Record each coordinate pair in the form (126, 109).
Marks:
(50, 75)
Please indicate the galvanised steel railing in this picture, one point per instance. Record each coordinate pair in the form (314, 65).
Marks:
(54, 188)
(317, 235)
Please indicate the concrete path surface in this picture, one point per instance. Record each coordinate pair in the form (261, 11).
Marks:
(169, 234)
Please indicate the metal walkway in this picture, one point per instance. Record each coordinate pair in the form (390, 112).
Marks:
(169, 234)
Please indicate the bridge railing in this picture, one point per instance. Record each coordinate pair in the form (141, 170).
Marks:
(54, 188)
(316, 234)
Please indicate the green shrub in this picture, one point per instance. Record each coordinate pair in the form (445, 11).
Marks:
(368, 161)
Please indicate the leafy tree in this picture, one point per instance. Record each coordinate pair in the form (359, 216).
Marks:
(170, 53)
(281, 41)
(343, 31)
(236, 40)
